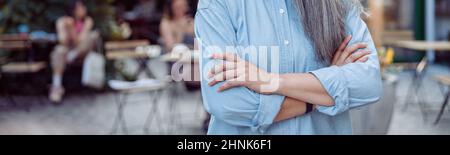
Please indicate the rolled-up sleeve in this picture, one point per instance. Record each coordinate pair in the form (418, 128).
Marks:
(239, 106)
(355, 84)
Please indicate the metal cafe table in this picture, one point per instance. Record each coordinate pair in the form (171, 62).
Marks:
(423, 46)
(137, 50)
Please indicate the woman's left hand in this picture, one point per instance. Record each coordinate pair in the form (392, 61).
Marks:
(236, 72)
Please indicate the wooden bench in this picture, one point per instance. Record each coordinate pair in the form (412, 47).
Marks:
(23, 67)
(18, 42)
(14, 65)
(15, 42)
(445, 81)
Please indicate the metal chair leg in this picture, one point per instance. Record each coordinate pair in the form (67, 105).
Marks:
(120, 122)
(154, 113)
(173, 110)
(420, 101)
(444, 105)
(411, 92)
(115, 127)
(171, 98)
(11, 100)
(413, 95)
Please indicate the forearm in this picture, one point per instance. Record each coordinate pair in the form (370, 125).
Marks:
(85, 32)
(291, 108)
(304, 87)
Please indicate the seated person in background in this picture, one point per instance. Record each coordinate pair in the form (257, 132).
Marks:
(76, 39)
(177, 26)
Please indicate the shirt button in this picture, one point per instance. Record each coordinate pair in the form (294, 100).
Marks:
(282, 11)
(286, 42)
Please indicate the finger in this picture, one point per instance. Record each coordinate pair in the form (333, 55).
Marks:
(224, 76)
(340, 49)
(231, 84)
(350, 50)
(225, 56)
(336, 58)
(224, 66)
(356, 56)
(345, 43)
(363, 59)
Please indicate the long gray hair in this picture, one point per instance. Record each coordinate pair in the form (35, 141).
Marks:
(324, 24)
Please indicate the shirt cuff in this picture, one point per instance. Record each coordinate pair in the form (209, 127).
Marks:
(335, 84)
(269, 107)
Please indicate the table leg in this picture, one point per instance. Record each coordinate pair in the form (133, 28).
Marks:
(444, 105)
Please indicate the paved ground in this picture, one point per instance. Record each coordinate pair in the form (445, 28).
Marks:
(95, 113)
(411, 121)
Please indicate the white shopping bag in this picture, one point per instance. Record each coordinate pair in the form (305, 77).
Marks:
(94, 71)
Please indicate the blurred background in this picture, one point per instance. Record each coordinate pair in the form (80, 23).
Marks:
(104, 67)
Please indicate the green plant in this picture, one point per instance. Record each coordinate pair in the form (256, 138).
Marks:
(42, 14)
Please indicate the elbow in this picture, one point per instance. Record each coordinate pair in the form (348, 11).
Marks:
(222, 112)
(376, 87)
(330, 103)
(217, 112)
(232, 113)
(373, 89)
(379, 91)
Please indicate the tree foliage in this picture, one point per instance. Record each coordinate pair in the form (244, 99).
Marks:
(42, 14)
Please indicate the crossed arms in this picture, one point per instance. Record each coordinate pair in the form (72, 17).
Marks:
(333, 90)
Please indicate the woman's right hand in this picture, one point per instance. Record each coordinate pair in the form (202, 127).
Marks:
(347, 54)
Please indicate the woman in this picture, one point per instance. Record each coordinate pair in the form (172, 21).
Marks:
(76, 39)
(279, 67)
(177, 26)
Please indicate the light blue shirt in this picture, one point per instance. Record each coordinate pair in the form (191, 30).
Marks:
(243, 23)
